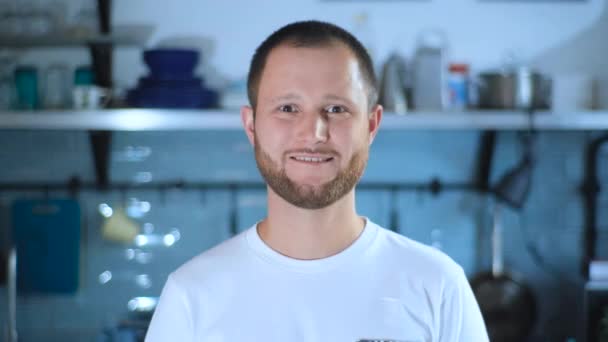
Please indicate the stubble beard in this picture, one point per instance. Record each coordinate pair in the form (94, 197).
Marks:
(308, 196)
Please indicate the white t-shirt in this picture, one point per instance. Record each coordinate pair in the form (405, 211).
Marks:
(384, 286)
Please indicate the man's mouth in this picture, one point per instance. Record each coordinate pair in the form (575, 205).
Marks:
(311, 159)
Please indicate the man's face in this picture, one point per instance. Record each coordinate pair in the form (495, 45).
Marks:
(312, 127)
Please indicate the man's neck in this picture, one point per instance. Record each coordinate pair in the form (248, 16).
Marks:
(310, 234)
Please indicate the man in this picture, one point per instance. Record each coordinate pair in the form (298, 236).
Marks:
(314, 270)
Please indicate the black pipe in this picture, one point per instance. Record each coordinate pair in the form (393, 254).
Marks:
(485, 155)
(101, 142)
(590, 190)
(74, 184)
(104, 12)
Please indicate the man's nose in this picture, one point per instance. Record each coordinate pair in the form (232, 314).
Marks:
(314, 128)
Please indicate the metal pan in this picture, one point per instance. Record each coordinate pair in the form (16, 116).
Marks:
(507, 304)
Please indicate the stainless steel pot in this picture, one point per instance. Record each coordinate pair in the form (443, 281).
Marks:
(507, 303)
(519, 89)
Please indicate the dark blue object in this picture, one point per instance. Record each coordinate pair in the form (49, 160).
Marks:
(171, 63)
(165, 97)
(171, 83)
(150, 81)
(46, 234)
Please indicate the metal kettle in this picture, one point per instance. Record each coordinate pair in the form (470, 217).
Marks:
(393, 86)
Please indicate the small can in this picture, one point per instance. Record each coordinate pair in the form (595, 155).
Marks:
(458, 86)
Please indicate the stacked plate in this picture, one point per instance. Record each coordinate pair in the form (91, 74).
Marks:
(171, 82)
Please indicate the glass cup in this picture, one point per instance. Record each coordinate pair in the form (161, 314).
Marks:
(88, 97)
(56, 86)
(26, 85)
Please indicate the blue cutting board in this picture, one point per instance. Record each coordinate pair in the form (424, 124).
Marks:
(47, 236)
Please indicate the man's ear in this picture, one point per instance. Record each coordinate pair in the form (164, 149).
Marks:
(248, 123)
(374, 121)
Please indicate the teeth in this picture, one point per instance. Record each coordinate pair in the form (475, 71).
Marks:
(310, 159)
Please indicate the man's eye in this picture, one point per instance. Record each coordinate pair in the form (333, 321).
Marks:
(288, 109)
(335, 109)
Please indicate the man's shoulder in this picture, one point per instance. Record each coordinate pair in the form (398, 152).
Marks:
(220, 259)
(409, 255)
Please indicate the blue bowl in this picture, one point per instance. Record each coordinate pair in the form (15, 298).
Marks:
(148, 81)
(171, 63)
(163, 97)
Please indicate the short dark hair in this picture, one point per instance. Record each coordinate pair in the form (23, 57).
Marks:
(311, 34)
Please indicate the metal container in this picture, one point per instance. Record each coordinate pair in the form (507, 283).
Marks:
(428, 79)
(393, 87)
(519, 89)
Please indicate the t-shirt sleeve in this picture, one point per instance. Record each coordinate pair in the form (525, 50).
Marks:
(171, 320)
(461, 318)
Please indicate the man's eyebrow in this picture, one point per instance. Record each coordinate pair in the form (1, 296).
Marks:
(333, 97)
(286, 97)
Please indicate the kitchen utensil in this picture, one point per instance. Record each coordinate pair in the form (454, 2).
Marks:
(90, 97)
(428, 71)
(172, 97)
(516, 89)
(513, 187)
(508, 306)
(46, 234)
(117, 226)
(428, 80)
(171, 83)
(591, 198)
(83, 75)
(166, 63)
(393, 85)
(56, 86)
(151, 82)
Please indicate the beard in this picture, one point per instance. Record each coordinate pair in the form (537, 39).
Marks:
(310, 196)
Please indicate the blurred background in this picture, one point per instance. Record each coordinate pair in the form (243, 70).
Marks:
(122, 157)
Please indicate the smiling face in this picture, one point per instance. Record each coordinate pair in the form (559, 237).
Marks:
(312, 127)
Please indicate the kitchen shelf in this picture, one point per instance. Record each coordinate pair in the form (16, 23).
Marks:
(188, 120)
(126, 35)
